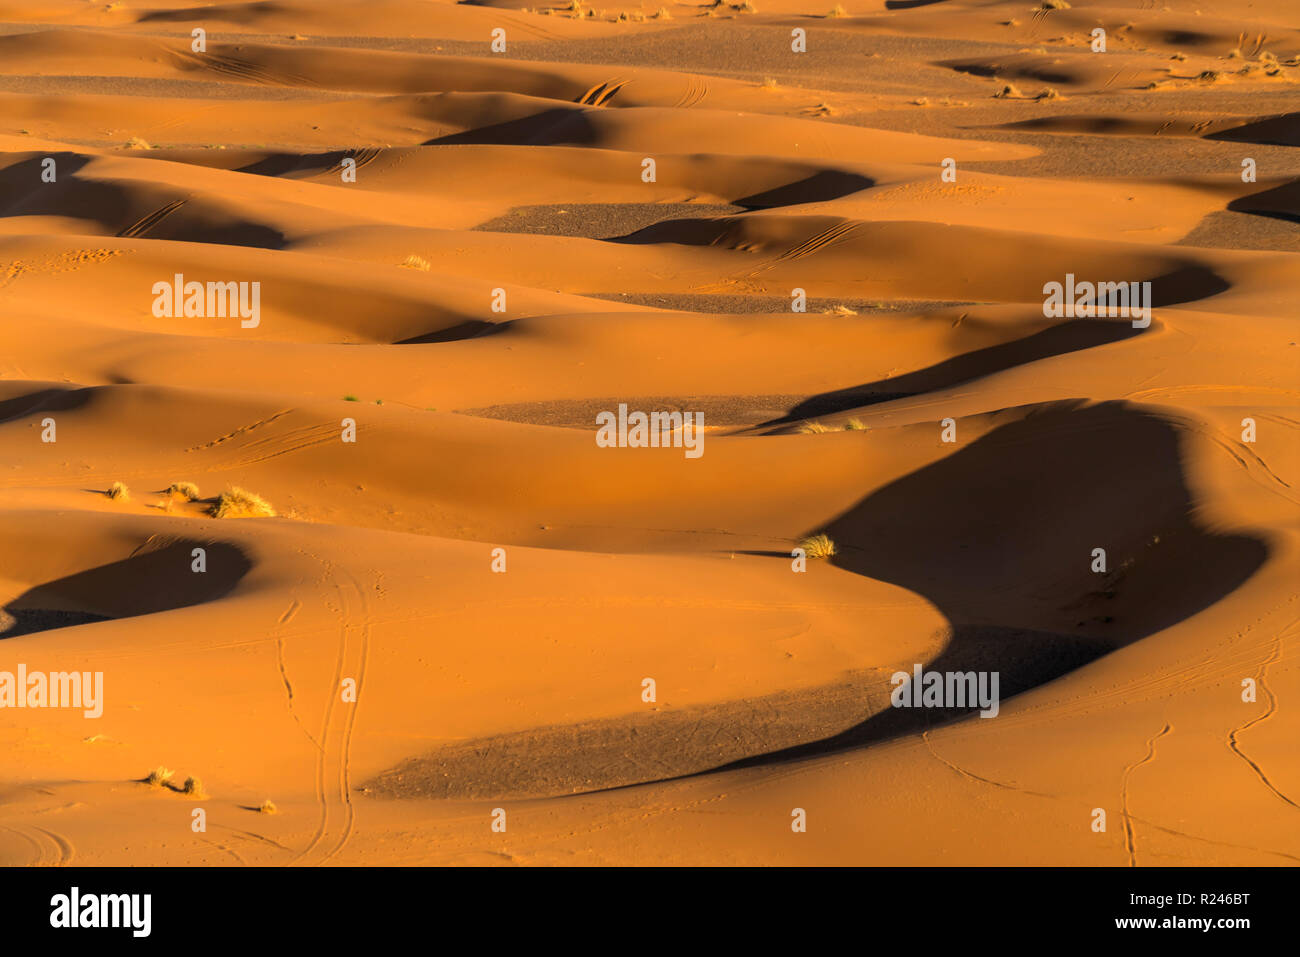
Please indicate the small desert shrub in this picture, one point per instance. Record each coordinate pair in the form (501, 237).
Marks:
(1179, 56)
(118, 491)
(135, 143)
(838, 11)
(1008, 90)
(268, 807)
(662, 13)
(186, 491)
(769, 83)
(814, 427)
(1048, 94)
(194, 787)
(817, 546)
(415, 262)
(1210, 76)
(855, 425)
(159, 777)
(350, 398)
(236, 502)
(745, 7)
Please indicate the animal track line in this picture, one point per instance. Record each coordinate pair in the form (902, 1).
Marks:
(1130, 841)
(1234, 734)
(279, 636)
(239, 431)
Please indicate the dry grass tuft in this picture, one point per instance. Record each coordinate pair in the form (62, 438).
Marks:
(838, 11)
(1008, 90)
(855, 425)
(194, 788)
(119, 492)
(415, 262)
(135, 143)
(159, 777)
(236, 502)
(817, 546)
(1048, 94)
(185, 491)
(814, 427)
(268, 807)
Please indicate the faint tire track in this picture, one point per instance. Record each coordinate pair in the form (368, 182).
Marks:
(333, 766)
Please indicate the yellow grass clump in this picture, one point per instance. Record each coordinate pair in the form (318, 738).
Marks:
(159, 777)
(817, 546)
(838, 11)
(236, 502)
(194, 787)
(118, 491)
(185, 491)
(813, 427)
(415, 262)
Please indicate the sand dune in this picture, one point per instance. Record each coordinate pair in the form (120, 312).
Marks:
(427, 269)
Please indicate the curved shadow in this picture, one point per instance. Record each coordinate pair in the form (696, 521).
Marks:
(1070, 335)
(151, 581)
(1280, 202)
(820, 187)
(999, 537)
(1281, 130)
(469, 329)
(562, 124)
(47, 400)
